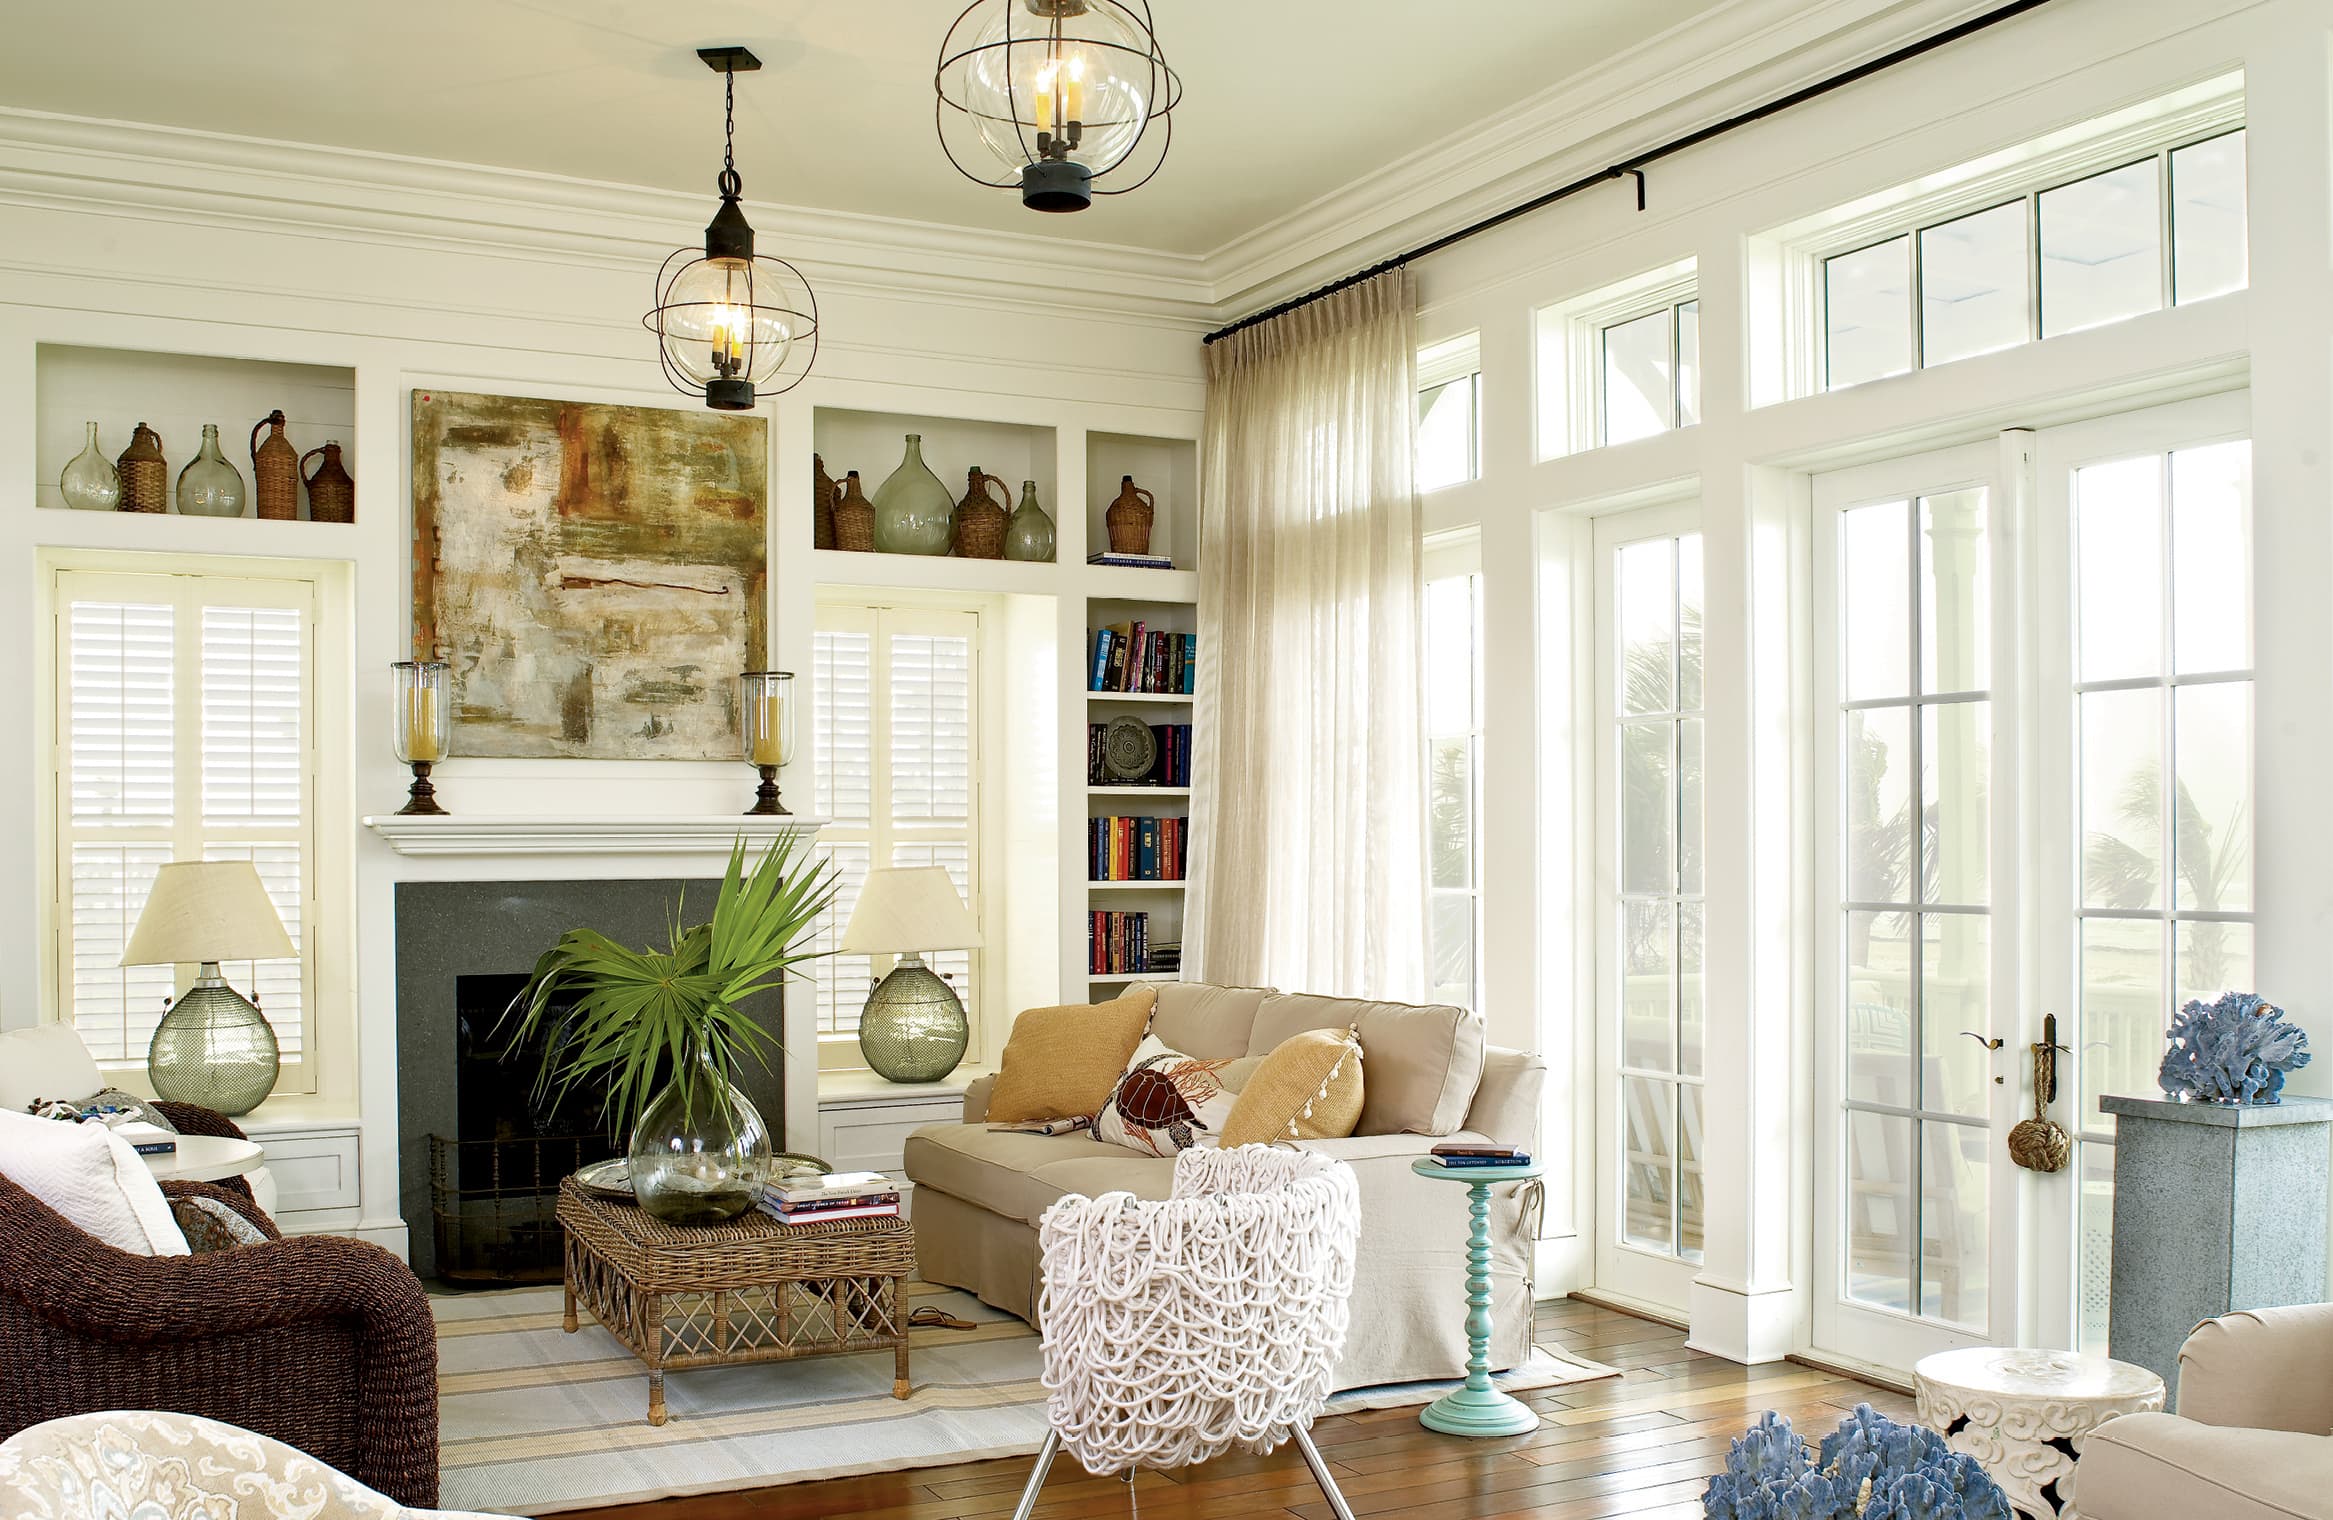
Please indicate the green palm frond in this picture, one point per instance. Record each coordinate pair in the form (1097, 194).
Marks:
(633, 1016)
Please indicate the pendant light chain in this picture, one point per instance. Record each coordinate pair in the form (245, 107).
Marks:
(730, 183)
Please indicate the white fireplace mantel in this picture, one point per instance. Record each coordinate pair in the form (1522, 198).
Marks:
(534, 834)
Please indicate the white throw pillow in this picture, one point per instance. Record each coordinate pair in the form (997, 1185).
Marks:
(46, 1061)
(94, 1178)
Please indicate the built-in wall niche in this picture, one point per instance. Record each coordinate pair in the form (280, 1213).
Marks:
(1168, 468)
(873, 443)
(175, 395)
(1135, 825)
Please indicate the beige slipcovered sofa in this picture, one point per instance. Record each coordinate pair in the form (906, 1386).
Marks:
(2253, 1438)
(1426, 1075)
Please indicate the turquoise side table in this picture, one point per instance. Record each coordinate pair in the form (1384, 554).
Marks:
(1478, 1409)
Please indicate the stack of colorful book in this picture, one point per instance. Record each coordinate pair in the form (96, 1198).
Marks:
(832, 1196)
(1463, 1155)
(1117, 944)
(1136, 657)
(1135, 849)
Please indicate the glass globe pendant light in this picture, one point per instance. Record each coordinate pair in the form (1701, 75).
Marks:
(731, 324)
(1054, 96)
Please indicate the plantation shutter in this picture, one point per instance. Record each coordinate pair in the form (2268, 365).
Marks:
(895, 751)
(185, 733)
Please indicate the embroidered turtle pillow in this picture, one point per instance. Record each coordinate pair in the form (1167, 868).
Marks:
(1166, 1102)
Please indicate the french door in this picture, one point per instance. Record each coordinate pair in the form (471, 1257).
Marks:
(2033, 798)
(1649, 904)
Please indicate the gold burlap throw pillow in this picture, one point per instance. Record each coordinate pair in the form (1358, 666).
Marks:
(1063, 1062)
(1308, 1088)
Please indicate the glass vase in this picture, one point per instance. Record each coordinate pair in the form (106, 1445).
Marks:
(700, 1153)
(1029, 535)
(914, 514)
(209, 486)
(90, 482)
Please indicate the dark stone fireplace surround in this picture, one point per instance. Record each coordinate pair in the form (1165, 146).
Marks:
(451, 929)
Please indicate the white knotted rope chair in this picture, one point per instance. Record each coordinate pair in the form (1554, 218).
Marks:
(1177, 1330)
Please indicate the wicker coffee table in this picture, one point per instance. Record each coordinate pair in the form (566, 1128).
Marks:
(751, 1290)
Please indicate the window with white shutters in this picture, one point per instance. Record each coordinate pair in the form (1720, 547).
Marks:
(185, 731)
(895, 748)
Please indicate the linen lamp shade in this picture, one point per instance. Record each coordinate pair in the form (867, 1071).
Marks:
(207, 910)
(909, 908)
(913, 1028)
(214, 1047)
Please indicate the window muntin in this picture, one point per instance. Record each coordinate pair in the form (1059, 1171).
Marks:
(1656, 753)
(186, 715)
(2162, 832)
(2102, 247)
(895, 742)
(1454, 748)
(1914, 751)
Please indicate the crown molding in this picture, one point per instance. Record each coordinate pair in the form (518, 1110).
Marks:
(216, 179)
(1725, 61)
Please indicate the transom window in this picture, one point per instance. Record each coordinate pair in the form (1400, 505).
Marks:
(1449, 413)
(1620, 364)
(2156, 231)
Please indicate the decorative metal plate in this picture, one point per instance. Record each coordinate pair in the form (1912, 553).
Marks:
(610, 1179)
(1129, 749)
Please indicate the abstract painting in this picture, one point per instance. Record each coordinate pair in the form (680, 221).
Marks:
(596, 575)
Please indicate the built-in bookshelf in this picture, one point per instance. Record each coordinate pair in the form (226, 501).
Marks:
(1078, 469)
(1140, 666)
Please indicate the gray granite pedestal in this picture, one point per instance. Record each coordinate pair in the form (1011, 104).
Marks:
(2215, 1208)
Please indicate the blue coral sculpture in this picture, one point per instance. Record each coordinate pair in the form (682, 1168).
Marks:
(2235, 1050)
(1870, 1468)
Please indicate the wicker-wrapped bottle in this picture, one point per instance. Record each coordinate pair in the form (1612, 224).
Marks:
(854, 517)
(981, 516)
(275, 470)
(331, 493)
(145, 474)
(1129, 518)
(821, 505)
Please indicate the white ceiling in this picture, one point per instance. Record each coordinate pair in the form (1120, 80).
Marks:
(1284, 100)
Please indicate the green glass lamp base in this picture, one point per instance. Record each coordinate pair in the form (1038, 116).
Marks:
(214, 1049)
(913, 1029)
(1479, 1412)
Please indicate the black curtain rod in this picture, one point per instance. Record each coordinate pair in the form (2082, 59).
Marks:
(1634, 167)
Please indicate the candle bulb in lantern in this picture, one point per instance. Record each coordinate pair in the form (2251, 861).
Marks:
(768, 721)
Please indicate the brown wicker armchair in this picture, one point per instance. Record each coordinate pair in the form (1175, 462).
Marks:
(322, 1342)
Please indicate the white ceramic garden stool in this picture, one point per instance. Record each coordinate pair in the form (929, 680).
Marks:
(2024, 1414)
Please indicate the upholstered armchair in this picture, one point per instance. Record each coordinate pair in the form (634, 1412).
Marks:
(131, 1462)
(321, 1342)
(2253, 1438)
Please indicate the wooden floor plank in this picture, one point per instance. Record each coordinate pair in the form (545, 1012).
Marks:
(1638, 1447)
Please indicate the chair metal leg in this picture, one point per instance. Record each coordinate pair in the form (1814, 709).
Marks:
(1320, 1475)
(1045, 1453)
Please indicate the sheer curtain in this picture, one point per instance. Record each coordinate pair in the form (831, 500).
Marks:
(1309, 822)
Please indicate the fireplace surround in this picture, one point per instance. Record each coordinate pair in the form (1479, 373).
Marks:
(451, 933)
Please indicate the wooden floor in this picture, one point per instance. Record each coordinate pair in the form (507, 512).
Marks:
(1639, 1445)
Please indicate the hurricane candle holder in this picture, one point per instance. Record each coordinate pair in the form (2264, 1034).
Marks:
(421, 722)
(769, 733)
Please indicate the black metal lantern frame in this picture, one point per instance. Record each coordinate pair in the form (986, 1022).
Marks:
(718, 310)
(1048, 179)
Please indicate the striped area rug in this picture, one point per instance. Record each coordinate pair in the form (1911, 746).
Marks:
(534, 1421)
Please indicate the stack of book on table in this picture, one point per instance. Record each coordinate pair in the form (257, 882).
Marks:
(828, 1197)
(1462, 1155)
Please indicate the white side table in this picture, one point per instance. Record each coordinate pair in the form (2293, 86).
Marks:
(207, 1158)
(2024, 1414)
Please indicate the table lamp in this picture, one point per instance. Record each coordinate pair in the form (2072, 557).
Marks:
(913, 1028)
(213, 1047)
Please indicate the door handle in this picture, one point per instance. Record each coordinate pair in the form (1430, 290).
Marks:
(1988, 1044)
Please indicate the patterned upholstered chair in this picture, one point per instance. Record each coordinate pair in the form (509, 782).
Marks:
(177, 1467)
(1176, 1330)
